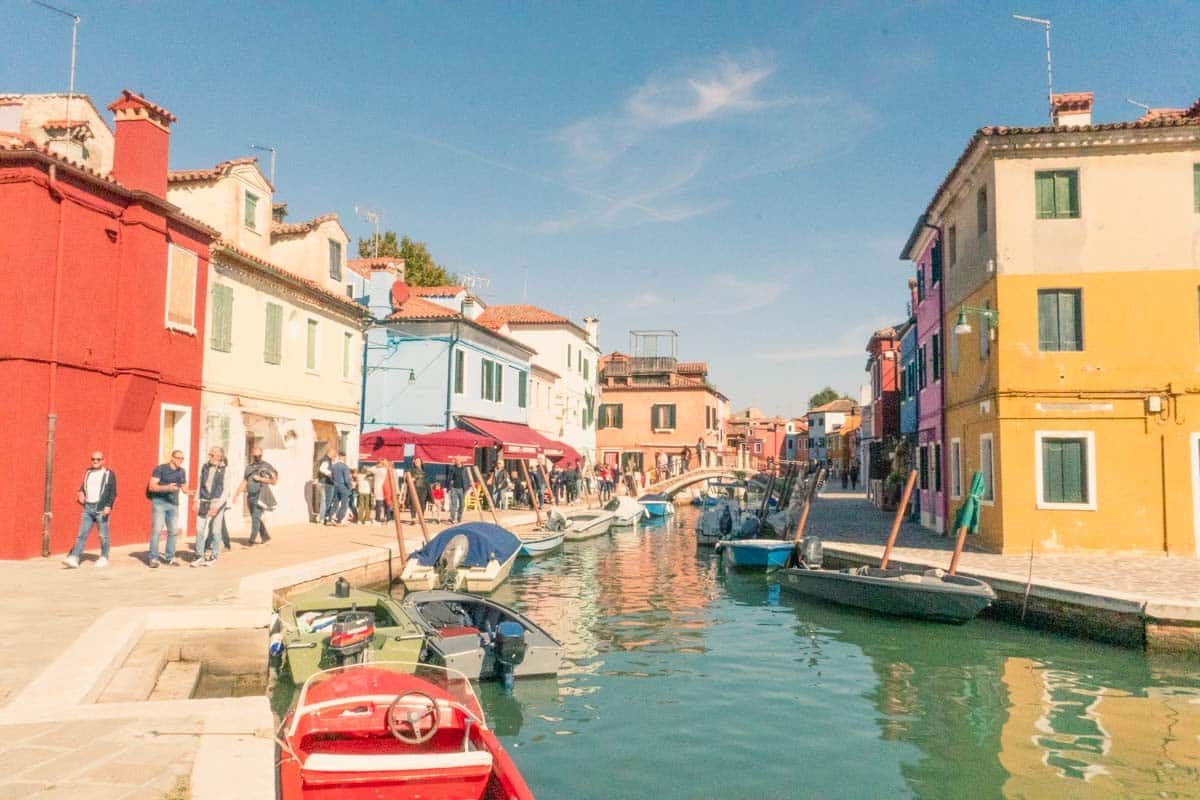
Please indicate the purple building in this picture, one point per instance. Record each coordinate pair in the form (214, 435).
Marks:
(924, 248)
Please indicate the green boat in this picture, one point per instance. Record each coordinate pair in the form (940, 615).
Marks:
(306, 624)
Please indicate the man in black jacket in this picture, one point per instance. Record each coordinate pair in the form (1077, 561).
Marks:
(457, 480)
(97, 494)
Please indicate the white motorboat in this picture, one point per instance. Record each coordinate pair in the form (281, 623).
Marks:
(627, 511)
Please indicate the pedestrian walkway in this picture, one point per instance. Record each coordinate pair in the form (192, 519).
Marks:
(49, 607)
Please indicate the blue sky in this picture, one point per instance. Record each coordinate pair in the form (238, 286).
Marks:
(742, 173)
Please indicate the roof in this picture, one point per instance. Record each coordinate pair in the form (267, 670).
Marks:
(418, 308)
(497, 316)
(692, 367)
(132, 100)
(300, 228)
(1189, 118)
(1072, 101)
(436, 291)
(365, 266)
(211, 174)
(840, 405)
(852, 424)
(315, 289)
(65, 123)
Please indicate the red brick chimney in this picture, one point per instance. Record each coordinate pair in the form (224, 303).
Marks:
(141, 143)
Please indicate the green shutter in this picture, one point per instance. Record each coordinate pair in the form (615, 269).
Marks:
(1052, 486)
(620, 416)
(498, 382)
(1064, 471)
(1048, 321)
(273, 348)
(671, 412)
(485, 374)
(1196, 186)
(1043, 183)
(522, 391)
(222, 319)
(1068, 321)
(459, 371)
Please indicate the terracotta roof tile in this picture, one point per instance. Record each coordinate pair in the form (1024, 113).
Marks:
(496, 317)
(210, 174)
(130, 99)
(346, 303)
(842, 405)
(300, 228)
(365, 266)
(436, 291)
(1072, 101)
(416, 308)
(692, 367)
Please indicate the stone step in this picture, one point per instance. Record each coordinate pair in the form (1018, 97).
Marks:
(136, 678)
(177, 681)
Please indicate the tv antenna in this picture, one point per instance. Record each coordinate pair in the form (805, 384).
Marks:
(74, 35)
(270, 150)
(1045, 23)
(475, 282)
(1133, 102)
(372, 216)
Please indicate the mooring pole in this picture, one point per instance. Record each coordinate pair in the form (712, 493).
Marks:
(887, 550)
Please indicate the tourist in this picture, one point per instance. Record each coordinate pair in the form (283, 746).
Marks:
(212, 499)
(421, 483)
(685, 459)
(364, 500)
(700, 453)
(518, 488)
(166, 482)
(845, 476)
(257, 481)
(379, 479)
(97, 494)
(437, 498)
(343, 485)
(458, 481)
(854, 476)
(325, 484)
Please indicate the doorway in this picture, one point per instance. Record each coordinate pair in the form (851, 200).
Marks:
(175, 433)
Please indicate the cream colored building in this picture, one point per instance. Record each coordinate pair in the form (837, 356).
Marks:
(283, 365)
(68, 125)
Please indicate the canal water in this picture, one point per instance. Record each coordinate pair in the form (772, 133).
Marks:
(684, 680)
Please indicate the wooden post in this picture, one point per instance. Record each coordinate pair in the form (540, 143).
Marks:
(809, 492)
(391, 476)
(887, 550)
(418, 506)
(958, 548)
(537, 505)
(483, 488)
(478, 497)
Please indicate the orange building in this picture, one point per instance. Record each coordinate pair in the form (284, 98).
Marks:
(656, 404)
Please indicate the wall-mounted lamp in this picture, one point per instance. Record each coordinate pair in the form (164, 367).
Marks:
(990, 316)
(412, 375)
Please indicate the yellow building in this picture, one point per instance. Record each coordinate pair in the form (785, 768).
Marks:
(1071, 316)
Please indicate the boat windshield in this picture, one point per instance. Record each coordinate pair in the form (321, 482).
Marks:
(391, 679)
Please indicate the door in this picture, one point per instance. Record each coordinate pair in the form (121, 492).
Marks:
(175, 433)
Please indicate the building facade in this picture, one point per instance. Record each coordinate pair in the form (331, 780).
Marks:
(1071, 294)
(881, 411)
(824, 420)
(104, 334)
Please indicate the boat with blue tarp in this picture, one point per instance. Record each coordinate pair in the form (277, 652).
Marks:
(473, 556)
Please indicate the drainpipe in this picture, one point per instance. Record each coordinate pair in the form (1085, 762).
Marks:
(450, 371)
(51, 415)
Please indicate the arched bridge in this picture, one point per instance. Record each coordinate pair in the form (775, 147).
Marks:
(672, 486)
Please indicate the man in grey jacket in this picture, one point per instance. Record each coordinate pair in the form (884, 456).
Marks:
(97, 494)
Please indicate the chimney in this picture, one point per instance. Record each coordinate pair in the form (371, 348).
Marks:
(912, 290)
(1072, 108)
(471, 308)
(592, 326)
(141, 143)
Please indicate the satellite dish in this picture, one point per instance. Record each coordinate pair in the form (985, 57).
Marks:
(400, 293)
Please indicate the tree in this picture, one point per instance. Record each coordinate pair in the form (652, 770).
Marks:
(419, 267)
(826, 395)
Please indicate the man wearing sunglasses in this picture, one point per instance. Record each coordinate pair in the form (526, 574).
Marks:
(166, 482)
(97, 494)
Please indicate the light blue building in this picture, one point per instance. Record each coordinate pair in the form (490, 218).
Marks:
(427, 361)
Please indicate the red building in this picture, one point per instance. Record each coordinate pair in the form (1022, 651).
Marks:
(102, 321)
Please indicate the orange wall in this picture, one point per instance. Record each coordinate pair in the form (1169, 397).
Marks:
(636, 432)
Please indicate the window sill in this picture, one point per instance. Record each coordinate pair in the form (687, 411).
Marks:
(312, 371)
(187, 329)
(1044, 506)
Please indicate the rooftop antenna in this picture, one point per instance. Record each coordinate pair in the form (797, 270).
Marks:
(473, 281)
(270, 150)
(372, 216)
(1049, 69)
(1133, 102)
(74, 35)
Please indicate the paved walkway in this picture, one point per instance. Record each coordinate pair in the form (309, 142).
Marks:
(846, 518)
(47, 608)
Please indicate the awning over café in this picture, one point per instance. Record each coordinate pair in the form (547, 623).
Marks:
(520, 441)
(389, 444)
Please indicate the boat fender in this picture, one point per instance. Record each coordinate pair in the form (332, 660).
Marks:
(275, 650)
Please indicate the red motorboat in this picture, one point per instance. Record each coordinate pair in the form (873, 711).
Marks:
(393, 732)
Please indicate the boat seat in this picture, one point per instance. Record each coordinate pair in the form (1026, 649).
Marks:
(399, 762)
(461, 630)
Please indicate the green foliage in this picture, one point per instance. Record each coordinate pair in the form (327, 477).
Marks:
(826, 395)
(419, 267)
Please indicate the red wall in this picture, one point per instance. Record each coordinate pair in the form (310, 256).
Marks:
(111, 338)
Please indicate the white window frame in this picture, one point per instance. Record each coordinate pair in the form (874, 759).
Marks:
(348, 356)
(1090, 437)
(315, 369)
(956, 482)
(991, 438)
(167, 323)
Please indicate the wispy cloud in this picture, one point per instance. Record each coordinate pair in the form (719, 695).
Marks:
(848, 342)
(728, 294)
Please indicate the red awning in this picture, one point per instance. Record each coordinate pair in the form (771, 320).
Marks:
(520, 441)
(387, 444)
(570, 456)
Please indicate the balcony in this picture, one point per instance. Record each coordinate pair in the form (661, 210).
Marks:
(648, 365)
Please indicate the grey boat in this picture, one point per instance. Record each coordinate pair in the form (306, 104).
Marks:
(466, 633)
(924, 594)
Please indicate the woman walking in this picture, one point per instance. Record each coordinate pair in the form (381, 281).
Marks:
(365, 492)
(418, 477)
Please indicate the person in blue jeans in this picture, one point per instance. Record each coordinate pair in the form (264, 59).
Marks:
(97, 494)
(343, 483)
(258, 477)
(212, 498)
(457, 481)
(166, 482)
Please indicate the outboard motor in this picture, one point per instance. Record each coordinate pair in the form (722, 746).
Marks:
(726, 524)
(510, 647)
(749, 528)
(555, 521)
(341, 587)
(351, 636)
(452, 556)
(810, 552)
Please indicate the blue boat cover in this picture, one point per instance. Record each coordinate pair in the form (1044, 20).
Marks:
(485, 541)
(657, 497)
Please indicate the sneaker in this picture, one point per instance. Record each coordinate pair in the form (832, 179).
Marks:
(71, 562)
(171, 562)
(101, 562)
(153, 563)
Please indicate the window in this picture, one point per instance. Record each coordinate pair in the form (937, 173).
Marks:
(1057, 194)
(491, 386)
(579, 360)
(1196, 187)
(1059, 323)
(222, 319)
(936, 343)
(611, 416)
(273, 340)
(952, 244)
(935, 259)
(985, 333)
(981, 211)
(312, 346)
(587, 369)
(985, 466)
(344, 443)
(250, 211)
(920, 284)
(1066, 465)
(568, 356)
(923, 467)
(662, 416)
(956, 469)
(181, 289)
(460, 369)
(922, 355)
(216, 431)
(335, 259)
(937, 467)
(522, 388)
(347, 355)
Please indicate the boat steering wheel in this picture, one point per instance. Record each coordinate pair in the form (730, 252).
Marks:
(397, 720)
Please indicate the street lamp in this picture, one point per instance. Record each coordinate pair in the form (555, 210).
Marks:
(991, 318)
